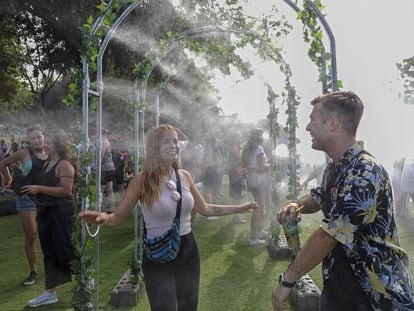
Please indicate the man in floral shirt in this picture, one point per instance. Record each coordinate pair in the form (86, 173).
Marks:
(364, 268)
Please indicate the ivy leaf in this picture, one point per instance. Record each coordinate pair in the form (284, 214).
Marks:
(101, 6)
(90, 20)
(318, 35)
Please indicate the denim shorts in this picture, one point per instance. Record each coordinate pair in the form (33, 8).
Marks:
(25, 203)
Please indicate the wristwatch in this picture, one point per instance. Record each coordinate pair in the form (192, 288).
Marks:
(283, 282)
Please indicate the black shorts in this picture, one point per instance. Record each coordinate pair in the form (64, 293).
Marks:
(119, 178)
(235, 185)
(107, 177)
(212, 177)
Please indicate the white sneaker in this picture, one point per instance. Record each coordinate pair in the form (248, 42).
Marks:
(262, 234)
(212, 217)
(239, 221)
(44, 298)
(255, 242)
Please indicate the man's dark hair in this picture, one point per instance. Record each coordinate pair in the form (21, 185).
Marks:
(347, 106)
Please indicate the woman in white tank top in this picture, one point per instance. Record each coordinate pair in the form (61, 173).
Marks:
(174, 285)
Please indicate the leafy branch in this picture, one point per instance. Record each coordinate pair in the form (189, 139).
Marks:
(406, 68)
(313, 34)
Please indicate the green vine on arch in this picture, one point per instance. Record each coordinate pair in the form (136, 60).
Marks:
(291, 125)
(82, 265)
(313, 34)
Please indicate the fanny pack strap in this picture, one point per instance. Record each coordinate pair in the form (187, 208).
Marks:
(178, 211)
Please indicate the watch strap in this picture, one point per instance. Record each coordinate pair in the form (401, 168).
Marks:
(283, 282)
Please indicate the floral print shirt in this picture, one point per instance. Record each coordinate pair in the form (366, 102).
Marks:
(361, 219)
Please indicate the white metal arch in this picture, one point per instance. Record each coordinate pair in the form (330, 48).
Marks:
(99, 91)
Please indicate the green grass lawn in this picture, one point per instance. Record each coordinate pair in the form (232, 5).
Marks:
(234, 276)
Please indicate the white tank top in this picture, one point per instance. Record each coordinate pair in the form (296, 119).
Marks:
(159, 217)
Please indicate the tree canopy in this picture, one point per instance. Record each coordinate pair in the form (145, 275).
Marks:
(48, 40)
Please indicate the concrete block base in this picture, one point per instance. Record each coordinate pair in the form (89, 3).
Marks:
(305, 295)
(124, 293)
(281, 250)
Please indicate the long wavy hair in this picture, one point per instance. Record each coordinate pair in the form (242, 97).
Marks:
(154, 167)
(61, 143)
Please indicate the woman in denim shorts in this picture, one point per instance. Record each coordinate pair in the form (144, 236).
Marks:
(31, 160)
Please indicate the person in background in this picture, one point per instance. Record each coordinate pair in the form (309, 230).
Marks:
(212, 171)
(254, 159)
(3, 149)
(315, 174)
(396, 178)
(173, 285)
(107, 171)
(212, 162)
(236, 171)
(120, 154)
(407, 188)
(363, 265)
(53, 188)
(30, 162)
(14, 146)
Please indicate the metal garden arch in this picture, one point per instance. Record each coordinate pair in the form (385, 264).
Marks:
(98, 92)
(216, 31)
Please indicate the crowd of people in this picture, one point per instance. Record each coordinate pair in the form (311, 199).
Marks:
(8, 149)
(10, 130)
(357, 241)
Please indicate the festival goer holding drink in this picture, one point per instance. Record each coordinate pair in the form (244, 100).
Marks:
(53, 189)
(364, 267)
(173, 285)
(31, 161)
